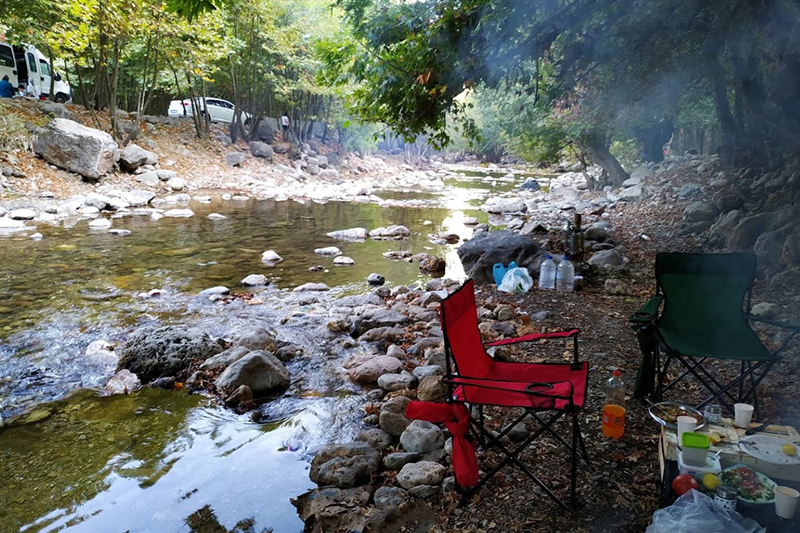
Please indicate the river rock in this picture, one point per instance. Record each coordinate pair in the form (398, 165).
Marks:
(240, 395)
(179, 213)
(421, 473)
(725, 224)
(9, 224)
(311, 287)
(100, 223)
(726, 200)
(101, 352)
(255, 338)
(119, 232)
(270, 256)
(369, 371)
(151, 352)
(255, 280)
(424, 491)
(606, 258)
(422, 372)
(631, 194)
(431, 389)
(259, 149)
(393, 419)
(176, 184)
(216, 216)
(138, 197)
(596, 233)
(224, 359)
(122, 382)
(504, 205)
(148, 178)
(699, 212)
(352, 234)
(219, 290)
(376, 279)
(390, 232)
(328, 251)
(259, 370)
(479, 254)
(433, 264)
(71, 146)
(334, 509)
(234, 159)
(22, 214)
(390, 497)
(766, 310)
(343, 261)
(422, 437)
(393, 382)
(345, 465)
(375, 437)
(376, 318)
(134, 156)
(96, 200)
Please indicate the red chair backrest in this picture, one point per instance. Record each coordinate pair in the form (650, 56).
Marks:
(459, 316)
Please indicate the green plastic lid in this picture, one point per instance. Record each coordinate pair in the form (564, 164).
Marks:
(695, 440)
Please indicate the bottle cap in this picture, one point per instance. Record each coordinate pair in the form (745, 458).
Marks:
(548, 256)
(616, 373)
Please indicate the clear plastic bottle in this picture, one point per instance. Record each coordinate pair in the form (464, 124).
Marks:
(565, 280)
(547, 274)
(614, 407)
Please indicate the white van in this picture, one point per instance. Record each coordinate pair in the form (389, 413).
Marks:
(22, 62)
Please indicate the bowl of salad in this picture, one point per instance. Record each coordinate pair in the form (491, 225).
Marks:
(752, 486)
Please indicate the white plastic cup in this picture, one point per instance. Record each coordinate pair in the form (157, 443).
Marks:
(786, 502)
(685, 424)
(743, 414)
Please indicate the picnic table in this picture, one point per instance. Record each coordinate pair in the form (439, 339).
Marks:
(731, 454)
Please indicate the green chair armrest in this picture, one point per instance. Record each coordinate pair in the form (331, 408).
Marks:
(648, 311)
(776, 323)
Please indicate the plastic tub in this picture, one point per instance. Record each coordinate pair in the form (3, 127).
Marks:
(712, 466)
(695, 448)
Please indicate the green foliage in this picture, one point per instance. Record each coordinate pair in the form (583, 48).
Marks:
(360, 137)
(627, 151)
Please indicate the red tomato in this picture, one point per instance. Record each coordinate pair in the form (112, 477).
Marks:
(683, 483)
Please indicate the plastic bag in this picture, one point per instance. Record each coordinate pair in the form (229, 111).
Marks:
(499, 271)
(516, 280)
(694, 512)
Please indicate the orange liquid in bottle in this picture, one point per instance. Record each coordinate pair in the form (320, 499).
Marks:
(613, 421)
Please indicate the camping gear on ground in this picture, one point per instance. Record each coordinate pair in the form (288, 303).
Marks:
(547, 274)
(694, 512)
(613, 418)
(701, 311)
(710, 466)
(743, 414)
(786, 502)
(475, 378)
(695, 448)
(565, 276)
(499, 271)
(516, 280)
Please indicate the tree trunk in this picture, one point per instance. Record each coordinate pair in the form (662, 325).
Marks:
(595, 146)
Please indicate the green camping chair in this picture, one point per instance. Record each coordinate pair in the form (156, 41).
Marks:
(704, 303)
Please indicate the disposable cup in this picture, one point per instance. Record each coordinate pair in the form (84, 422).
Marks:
(743, 414)
(686, 424)
(786, 502)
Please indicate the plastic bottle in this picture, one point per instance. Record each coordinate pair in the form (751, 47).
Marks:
(547, 274)
(565, 280)
(614, 407)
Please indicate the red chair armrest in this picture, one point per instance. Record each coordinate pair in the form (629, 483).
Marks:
(536, 336)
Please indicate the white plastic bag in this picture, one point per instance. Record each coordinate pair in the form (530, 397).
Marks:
(516, 280)
(694, 512)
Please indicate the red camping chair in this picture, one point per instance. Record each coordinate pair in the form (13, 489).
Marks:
(479, 380)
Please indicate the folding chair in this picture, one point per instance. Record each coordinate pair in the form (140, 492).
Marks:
(704, 302)
(479, 380)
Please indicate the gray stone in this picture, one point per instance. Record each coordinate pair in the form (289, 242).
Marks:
(530, 184)
(376, 279)
(224, 359)
(504, 205)
(725, 224)
(241, 394)
(422, 372)
(726, 200)
(260, 149)
(370, 370)
(138, 197)
(641, 172)
(596, 233)
(504, 313)
(699, 212)
(606, 258)
(22, 214)
(633, 193)
(219, 290)
(376, 318)
(123, 382)
(152, 352)
(259, 370)
(234, 159)
(55, 109)
(390, 497)
(397, 460)
(479, 254)
(390, 232)
(334, 509)
(328, 251)
(71, 146)
(743, 236)
(352, 234)
(288, 352)
(431, 389)
(421, 473)
(166, 175)
(255, 338)
(176, 184)
(178, 213)
(255, 280)
(396, 351)
(134, 156)
(422, 437)
(330, 174)
(616, 287)
(148, 178)
(97, 200)
(375, 437)
(393, 423)
(424, 491)
(345, 465)
(766, 310)
(393, 382)
(689, 190)
(630, 182)
(769, 247)
(311, 287)
(343, 261)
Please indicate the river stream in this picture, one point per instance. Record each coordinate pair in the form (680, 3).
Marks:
(153, 460)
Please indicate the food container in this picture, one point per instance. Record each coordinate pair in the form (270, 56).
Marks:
(711, 466)
(726, 497)
(695, 447)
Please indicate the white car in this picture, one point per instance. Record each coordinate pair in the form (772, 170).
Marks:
(218, 110)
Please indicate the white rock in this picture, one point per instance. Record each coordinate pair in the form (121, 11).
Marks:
(311, 287)
(123, 382)
(10, 224)
(120, 232)
(178, 213)
(204, 199)
(100, 223)
(37, 236)
(343, 261)
(101, 352)
(88, 211)
(156, 216)
(328, 251)
(216, 216)
(352, 234)
(255, 280)
(22, 214)
(270, 256)
(176, 184)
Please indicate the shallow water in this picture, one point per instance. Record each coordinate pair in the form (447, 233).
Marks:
(147, 461)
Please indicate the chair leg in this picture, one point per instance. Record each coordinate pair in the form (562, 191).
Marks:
(576, 431)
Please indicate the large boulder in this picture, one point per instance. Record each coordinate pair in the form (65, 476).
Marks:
(259, 149)
(134, 156)
(422, 437)
(479, 254)
(259, 370)
(699, 212)
(744, 235)
(421, 473)
(255, 338)
(265, 133)
(345, 465)
(154, 352)
(606, 258)
(504, 205)
(71, 146)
